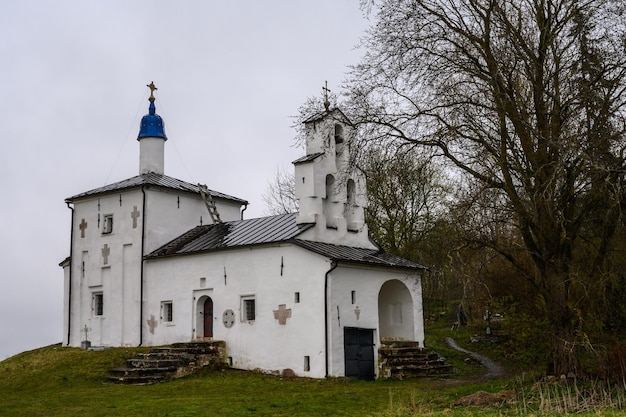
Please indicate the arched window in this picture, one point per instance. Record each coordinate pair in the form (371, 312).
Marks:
(351, 193)
(330, 187)
(349, 211)
(339, 144)
(338, 134)
(329, 205)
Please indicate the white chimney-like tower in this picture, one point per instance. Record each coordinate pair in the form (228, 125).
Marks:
(151, 140)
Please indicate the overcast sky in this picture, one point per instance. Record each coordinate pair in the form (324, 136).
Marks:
(73, 74)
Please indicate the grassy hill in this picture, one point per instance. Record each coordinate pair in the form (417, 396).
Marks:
(57, 381)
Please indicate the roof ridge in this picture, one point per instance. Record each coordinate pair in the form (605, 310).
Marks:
(157, 180)
(232, 234)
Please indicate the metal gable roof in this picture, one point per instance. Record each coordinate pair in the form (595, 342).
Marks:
(322, 114)
(273, 229)
(351, 254)
(307, 158)
(233, 234)
(157, 180)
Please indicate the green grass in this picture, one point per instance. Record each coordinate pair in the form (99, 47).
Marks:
(56, 381)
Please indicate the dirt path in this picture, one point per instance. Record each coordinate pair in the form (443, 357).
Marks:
(493, 369)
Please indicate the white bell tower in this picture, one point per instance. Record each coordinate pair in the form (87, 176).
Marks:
(331, 192)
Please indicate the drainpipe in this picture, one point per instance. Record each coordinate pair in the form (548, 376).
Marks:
(143, 238)
(69, 286)
(326, 326)
(245, 207)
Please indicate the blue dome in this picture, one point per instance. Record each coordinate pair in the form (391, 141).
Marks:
(151, 125)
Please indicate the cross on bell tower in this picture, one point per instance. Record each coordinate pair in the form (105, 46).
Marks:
(326, 91)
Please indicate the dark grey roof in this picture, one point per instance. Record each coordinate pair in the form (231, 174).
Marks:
(153, 179)
(234, 234)
(351, 254)
(322, 114)
(307, 158)
(281, 228)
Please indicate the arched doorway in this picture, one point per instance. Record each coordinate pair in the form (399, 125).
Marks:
(207, 313)
(395, 311)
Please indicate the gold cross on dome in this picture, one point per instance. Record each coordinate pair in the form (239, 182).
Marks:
(152, 88)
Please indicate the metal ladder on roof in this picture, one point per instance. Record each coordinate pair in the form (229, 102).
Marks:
(210, 203)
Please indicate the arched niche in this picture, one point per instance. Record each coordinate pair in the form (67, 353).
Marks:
(395, 311)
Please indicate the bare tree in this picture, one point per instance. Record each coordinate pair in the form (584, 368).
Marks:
(526, 98)
(406, 196)
(280, 194)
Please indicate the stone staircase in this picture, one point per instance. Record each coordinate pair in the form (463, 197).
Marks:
(405, 359)
(169, 362)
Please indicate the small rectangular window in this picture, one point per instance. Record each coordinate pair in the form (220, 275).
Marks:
(307, 363)
(98, 304)
(248, 308)
(108, 224)
(167, 311)
(353, 296)
(296, 297)
(83, 263)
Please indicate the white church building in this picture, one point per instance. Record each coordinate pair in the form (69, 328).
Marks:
(156, 260)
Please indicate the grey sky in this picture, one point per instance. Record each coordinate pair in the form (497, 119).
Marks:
(73, 78)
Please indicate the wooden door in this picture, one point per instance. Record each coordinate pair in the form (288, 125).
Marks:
(208, 317)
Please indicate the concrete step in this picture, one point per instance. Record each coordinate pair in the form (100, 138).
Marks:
(400, 343)
(141, 371)
(168, 362)
(156, 363)
(136, 380)
(417, 353)
(399, 359)
(417, 371)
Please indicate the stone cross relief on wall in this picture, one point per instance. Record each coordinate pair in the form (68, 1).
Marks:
(82, 227)
(152, 323)
(282, 314)
(134, 214)
(106, 251)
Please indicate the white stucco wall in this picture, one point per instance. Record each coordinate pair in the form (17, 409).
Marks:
(364, 313)
(170, 214)
(264, 343)
(90, 273)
